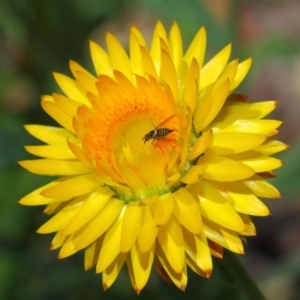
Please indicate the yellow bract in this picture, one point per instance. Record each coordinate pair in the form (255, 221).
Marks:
(159, 163)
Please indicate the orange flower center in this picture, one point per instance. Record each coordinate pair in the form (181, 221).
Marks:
(124, 115)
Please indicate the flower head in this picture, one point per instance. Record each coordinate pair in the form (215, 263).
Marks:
(158, 161)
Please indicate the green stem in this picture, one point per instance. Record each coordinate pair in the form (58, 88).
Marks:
(234, 267)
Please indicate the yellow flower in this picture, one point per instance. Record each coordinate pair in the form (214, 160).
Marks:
(158, 162)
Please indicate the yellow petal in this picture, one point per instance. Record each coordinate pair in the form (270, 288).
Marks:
(249, 225)
(55, 167)
(174, 177)
(111, 273)
(243, 199)
(190, 94)
(197, 249)
(118, 56)
(213, 69)
(73, 187)
(58, 115)
(206, 112)
(250, 126)
(173, 156)
(135, 54)
(57, 241)
(147, 168)
(78, 151)
(179, 279)
(138, 35)
(55, 207)
(218, 98)
(155, 51)
(226, 143)
(258, 162)
(100, 223)
(168, 73)
(159, 267)
(187, 211)
(130, 226)
(228, 73)
(36, 198)
(241, 73)
(243, 111)
(68, 106)
(184, 142)
(90, 208)
(141, 263)
(61, 219)
(194, 174)
(213, 206)
(201, 144)
(222, 236)
(71, 88)
(85, 78)
(68, 247)
(175, 43)
(130, 176)
(101, 60)
(224, 169)
(162, 209)
(91, 254)
(106, 179)
(110, 172)
(148, 64)
(202, 109)
(148, 230)
(271, 147)
(261, 188)
(197, 48)
(61, 151)
(150, 170)
(195, 268)
(49, 135)
(131, 275)
(111, 245)
(170, 238)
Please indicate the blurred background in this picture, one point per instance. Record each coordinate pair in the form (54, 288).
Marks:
(38, 37)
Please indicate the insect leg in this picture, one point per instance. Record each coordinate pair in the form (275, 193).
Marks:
(163, 139)
(155, 144)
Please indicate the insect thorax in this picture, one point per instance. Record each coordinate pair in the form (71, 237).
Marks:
(152, 133)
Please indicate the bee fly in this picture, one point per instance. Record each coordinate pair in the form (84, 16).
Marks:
(159, 132)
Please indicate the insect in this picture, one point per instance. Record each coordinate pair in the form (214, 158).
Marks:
(159, 132)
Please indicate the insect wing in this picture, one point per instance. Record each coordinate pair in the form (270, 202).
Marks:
(164, 121)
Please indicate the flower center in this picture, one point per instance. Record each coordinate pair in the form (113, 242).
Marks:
(130, 129)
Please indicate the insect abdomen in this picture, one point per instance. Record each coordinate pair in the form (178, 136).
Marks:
(163, 132)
